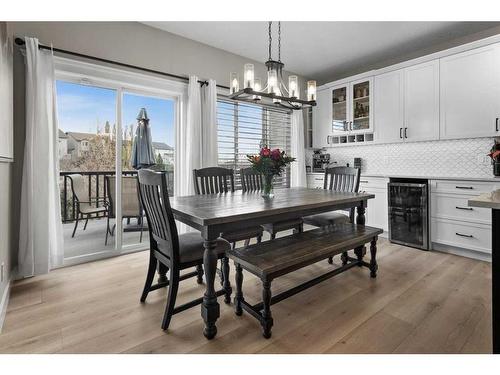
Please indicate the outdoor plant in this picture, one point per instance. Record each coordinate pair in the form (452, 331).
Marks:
(269, 163)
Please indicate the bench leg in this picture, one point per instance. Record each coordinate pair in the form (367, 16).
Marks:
(330, 260)
(359, 254)
(238, 298)
(267, 320)
(344, 258)
(373, 260)
(226, 283)
(199, 277)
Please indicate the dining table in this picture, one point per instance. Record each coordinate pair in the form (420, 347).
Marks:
(213, 214)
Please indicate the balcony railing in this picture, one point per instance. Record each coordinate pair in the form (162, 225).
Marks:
(96, 189)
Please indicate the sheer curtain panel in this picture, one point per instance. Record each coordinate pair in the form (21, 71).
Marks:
(298, 167)
(40, 239)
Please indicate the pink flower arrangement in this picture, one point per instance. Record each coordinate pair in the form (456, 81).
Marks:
(270, 162)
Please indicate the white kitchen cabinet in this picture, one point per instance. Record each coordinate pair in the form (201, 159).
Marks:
(377, 208)
(322, 119)
(315, 180)
(389, 111)
(421, 102)
(361, 106)
(469, 93)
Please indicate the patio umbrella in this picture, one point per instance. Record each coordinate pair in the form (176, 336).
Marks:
(142, 146)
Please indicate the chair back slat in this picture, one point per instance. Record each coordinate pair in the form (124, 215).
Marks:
(343, 179)
(213, 180)
(163, 234)
(250, 179)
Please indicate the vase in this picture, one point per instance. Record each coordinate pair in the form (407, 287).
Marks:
(496, 168)
(267, 191)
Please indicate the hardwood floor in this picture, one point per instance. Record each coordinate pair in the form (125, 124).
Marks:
(421, 302)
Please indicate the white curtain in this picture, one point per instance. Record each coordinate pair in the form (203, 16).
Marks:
(209, 124)
(40, 239)
(297, 149)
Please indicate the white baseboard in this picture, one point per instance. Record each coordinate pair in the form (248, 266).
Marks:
(462, 252)
(4, 301)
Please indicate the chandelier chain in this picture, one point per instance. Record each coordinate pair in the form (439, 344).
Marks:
(279, 41)
(270, 39)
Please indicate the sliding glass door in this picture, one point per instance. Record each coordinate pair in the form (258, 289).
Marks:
(99, 122)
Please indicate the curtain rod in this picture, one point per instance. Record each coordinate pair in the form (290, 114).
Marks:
(20, 42)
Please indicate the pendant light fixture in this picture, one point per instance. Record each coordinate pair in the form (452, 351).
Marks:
(275, 89)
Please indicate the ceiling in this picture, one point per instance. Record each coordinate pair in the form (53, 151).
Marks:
(329, 50)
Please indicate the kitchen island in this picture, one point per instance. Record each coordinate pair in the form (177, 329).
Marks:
(492, 200)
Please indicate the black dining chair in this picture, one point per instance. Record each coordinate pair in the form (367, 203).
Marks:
(215, 180)
(169, 249)
(252, 181)
(342, 179)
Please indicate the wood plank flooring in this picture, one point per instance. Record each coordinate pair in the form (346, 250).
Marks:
(421, 302)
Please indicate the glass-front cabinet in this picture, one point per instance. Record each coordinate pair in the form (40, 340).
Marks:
(351, 107)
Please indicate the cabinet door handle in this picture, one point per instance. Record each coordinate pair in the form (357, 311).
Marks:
(464, 235)
(464, 208)
(464, 187)
(406, 136)
(363, 181)
(496, 124)
(401, 133)
(327, 139)
(350, 125)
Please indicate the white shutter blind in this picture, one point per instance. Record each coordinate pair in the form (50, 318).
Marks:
(244, 127)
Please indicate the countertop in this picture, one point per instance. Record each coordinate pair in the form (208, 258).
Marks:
(487, 200)
(484, 179)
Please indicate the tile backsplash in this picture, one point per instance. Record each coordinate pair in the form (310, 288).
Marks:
(446, 158)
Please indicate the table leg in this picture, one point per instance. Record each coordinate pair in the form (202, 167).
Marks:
(360, 219)
(210, 307)
(495, 280)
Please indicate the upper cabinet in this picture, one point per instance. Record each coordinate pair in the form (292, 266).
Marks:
(388, 102)
(361, 119)
(322, 126)
(421, 102)
(407, 104)
(470, 93)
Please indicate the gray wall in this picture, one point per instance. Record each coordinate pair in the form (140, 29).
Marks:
(127, 42)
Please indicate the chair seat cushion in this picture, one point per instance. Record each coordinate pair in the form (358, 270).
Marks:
(243, 234)
(282, 225)
(191, 247)
(326, 219)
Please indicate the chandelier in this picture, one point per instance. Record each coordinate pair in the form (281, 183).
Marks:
(275, 89)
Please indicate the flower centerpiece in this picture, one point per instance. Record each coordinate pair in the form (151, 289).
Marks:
(495, 158)
(269, 163)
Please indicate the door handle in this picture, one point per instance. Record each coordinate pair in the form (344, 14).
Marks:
(464, 208)
(401, 133)
(464, 235)
(464, 187)
(406, 136)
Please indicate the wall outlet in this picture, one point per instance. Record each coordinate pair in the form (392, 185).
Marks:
(2, 267)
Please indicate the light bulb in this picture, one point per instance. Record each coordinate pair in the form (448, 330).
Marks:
(233, 79)
(257, 87)
(293, 87)
(272, 81)
(311, 90)
(248, 76)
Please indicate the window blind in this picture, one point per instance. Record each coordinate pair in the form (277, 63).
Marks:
(244, 127)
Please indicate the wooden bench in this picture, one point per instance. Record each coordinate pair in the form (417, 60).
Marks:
(271, 259)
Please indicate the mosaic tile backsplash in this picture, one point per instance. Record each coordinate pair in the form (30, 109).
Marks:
(450, 158)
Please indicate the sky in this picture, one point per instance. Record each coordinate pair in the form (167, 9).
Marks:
(82, 107)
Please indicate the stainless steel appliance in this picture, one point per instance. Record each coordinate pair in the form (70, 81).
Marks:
(320, 161)
(408, 212)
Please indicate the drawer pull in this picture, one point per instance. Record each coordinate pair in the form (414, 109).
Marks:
(364, 182)
(464, 208)
(318, 179)
(464, 187)
(464, 235)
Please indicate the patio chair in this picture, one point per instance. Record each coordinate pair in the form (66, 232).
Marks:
(85, 206)
(131, 207)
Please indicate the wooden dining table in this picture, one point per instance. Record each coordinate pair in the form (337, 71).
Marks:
(216, 213)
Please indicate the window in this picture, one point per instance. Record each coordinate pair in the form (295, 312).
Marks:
(244, 127)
